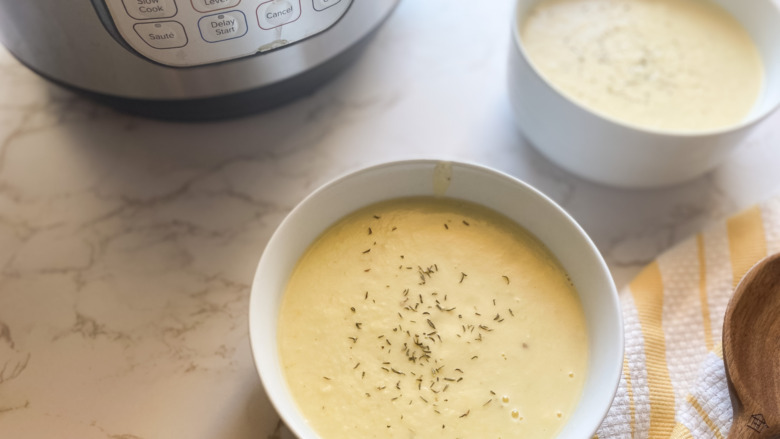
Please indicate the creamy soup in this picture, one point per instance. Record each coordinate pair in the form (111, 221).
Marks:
(682, 65)
(429, 317)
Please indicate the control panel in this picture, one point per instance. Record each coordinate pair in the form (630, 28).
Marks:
(185, 33)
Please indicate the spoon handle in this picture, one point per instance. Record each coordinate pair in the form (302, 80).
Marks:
(749, 425)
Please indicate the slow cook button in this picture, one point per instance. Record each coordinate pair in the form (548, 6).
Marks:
(321, 5)
(146, 9)
(277, 13)
(224, 26)
(213, 5)
(163, 34)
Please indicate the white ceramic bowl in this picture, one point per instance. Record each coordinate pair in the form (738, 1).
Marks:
(515, 199)
(604, 150)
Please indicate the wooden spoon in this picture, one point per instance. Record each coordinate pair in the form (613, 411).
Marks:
(751, 352)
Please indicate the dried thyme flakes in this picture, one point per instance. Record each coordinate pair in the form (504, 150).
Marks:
(409, 349)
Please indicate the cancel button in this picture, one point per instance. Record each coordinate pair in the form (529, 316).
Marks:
(278, 13)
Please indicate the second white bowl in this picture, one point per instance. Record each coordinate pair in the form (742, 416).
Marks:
(608, 151)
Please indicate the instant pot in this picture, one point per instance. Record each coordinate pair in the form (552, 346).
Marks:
(190, 59)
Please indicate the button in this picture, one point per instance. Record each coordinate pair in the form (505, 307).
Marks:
(163, 34)
(277, 13)
(224, 26)
(146, 9)
(321, 5)
(213, 5)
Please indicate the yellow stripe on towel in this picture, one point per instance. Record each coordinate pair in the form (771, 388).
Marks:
(681, 432)
(704, 416)
(747, 242)
(705, 307)
(648, 292)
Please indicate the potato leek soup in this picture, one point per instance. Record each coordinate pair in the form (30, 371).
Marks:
(661, 64)
(432, 317)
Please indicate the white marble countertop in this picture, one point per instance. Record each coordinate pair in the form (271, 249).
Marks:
(127, 245)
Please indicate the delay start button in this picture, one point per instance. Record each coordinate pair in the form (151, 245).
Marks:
(148, 9)
(277, 13)
(162, 34)
(224, 26)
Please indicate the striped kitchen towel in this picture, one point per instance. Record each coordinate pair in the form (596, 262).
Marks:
(673, 383)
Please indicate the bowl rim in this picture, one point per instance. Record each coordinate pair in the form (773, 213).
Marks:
(745, 123)
(615, 373)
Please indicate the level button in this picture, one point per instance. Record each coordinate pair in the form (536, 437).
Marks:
(148, 9)
(278, 13)
(162, 34)
(223, 26)
(321, 5)
(213, 5)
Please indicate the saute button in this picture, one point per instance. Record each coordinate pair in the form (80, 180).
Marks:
(224, 26)
(277, 13)
(163, 34)
(146, 9)
(321, 5)
(213, 5)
